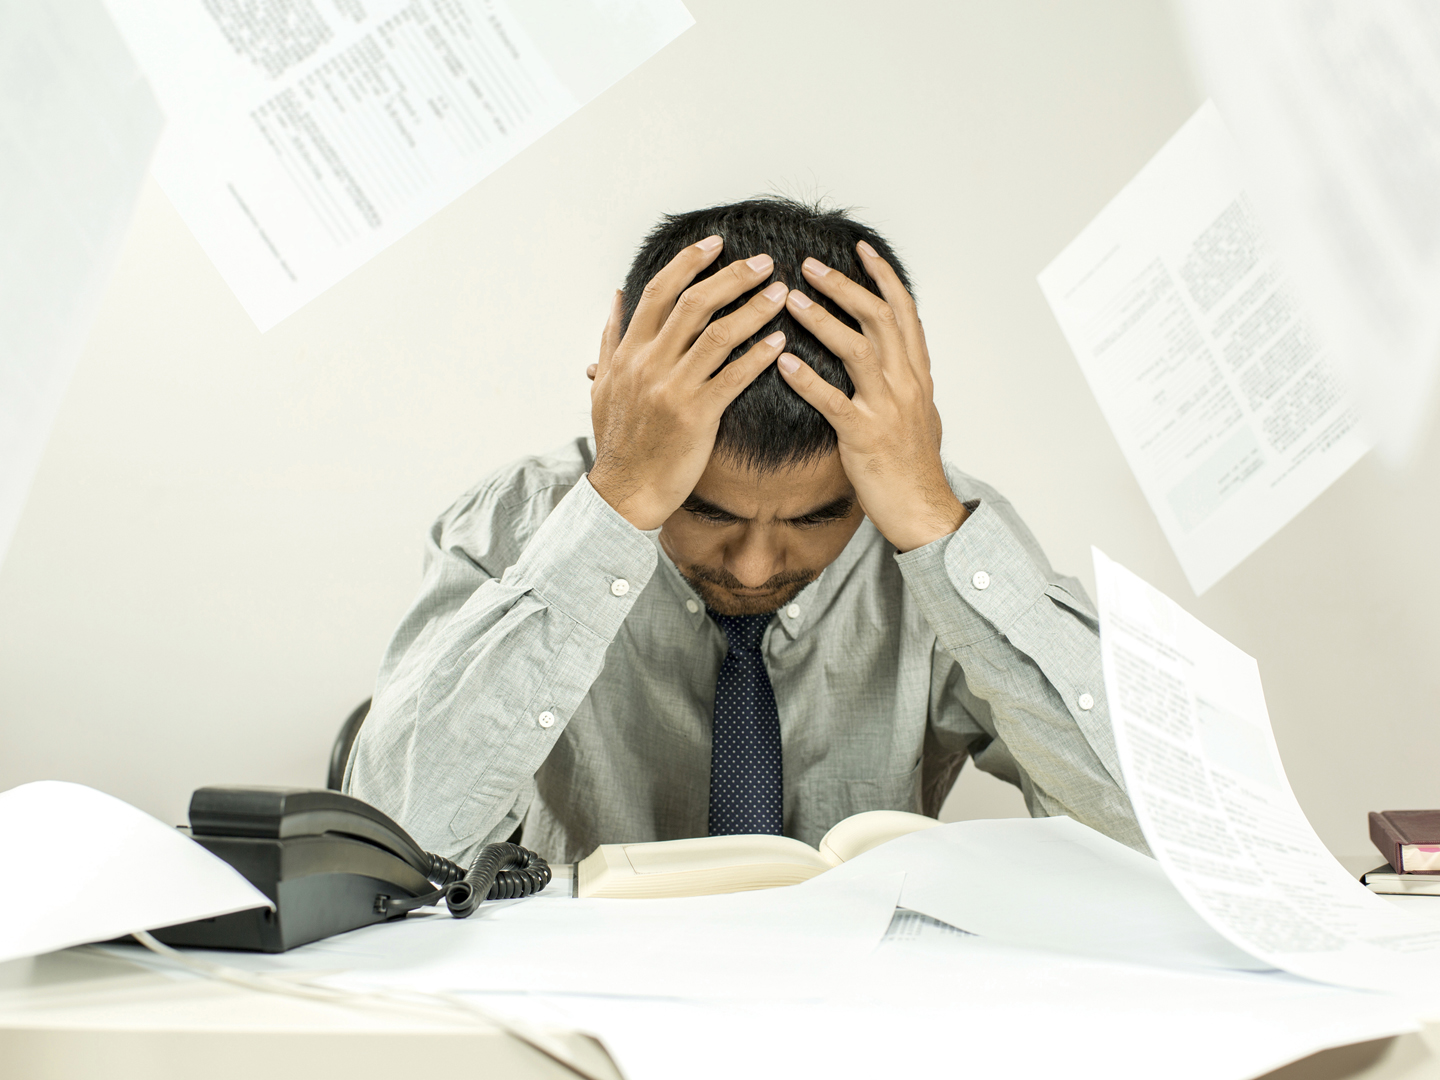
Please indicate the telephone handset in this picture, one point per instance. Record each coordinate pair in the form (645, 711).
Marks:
(332, 863)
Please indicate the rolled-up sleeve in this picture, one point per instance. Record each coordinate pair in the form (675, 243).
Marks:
(1027, 646)
(492, 660)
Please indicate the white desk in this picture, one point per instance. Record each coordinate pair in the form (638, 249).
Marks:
(78, 1014)
(75, 1015)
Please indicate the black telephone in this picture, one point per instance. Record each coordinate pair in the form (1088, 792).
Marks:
(332, 863)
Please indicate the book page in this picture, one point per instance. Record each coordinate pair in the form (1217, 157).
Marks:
(1337, 107)
(77, 127)
(720, 853)
(1210, 793)
(1206, 369)
(869, 829)
(307, 135)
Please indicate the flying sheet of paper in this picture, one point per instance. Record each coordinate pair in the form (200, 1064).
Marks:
(81, 866)
(1049, 883)
(1337, 107)
(307, 135)
(77, 127)
(1215, 386)
(1210, 793)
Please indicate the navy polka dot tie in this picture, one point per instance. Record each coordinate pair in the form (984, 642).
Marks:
(745, 788)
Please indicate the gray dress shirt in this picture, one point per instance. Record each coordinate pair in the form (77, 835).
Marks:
(556, 669)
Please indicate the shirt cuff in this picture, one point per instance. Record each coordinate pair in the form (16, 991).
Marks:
(586, 561)
(981, 564)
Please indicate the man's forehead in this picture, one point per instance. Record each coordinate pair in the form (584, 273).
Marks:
(790, 491)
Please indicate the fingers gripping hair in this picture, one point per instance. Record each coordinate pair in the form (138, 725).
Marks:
(769, 425)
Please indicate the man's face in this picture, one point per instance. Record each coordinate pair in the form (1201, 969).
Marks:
(749, 541)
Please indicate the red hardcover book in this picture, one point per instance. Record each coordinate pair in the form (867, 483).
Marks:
(1409, 839)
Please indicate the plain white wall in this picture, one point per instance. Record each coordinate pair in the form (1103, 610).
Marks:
(226, 526)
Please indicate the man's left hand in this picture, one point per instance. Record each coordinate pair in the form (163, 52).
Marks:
(889, 431)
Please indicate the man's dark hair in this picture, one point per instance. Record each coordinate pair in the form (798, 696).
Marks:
(770, 426)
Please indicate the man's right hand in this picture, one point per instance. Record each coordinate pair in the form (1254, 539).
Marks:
(657, 396)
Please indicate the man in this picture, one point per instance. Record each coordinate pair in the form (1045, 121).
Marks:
(756, 602)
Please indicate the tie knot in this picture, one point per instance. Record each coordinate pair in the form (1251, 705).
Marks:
(743, 631)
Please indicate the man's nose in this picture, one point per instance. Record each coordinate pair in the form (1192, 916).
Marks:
(754, 557)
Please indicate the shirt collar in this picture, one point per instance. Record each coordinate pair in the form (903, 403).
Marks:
(808, 606)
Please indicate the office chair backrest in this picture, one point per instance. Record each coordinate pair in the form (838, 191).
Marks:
(340, 752)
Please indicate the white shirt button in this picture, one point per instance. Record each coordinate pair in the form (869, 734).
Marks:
(691, 606)
(1087, 702)
(619, 587)
(793, 611)
(981, 580)
(546, 719)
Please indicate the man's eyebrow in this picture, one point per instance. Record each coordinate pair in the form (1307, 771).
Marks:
(831, 511)
(696, 505)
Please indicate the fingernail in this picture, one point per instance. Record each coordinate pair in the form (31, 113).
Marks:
(775, 340)
(816, 267)
(775, 292)
(799, 299)
(709, 244)
(866, 249)
(760, 262)
(788, 364)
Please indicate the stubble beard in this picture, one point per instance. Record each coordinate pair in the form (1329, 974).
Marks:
(714, 588)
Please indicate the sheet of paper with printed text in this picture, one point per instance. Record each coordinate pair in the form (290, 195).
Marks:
(305, 136)
(1336, 105)
(1209, 373)
(1210, 793)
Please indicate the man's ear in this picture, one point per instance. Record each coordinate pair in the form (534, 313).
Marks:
(609, 337)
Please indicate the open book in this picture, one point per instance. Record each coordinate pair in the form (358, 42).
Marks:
(722, 864)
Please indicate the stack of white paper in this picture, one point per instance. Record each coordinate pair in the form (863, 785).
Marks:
(790, 981)
(928, 998)
(946, 1006)
(1050, 883)
(791, 942)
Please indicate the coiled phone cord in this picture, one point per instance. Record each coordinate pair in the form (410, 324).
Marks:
(499, 872)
